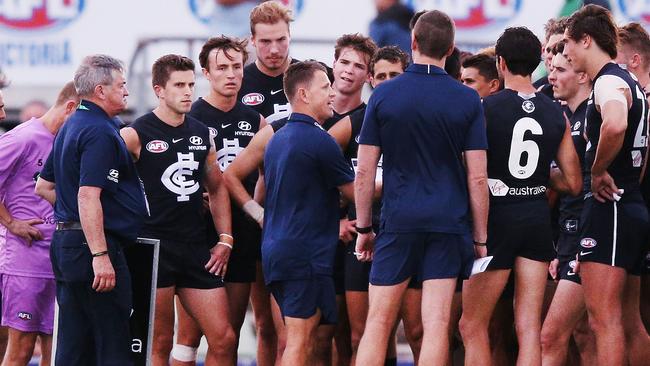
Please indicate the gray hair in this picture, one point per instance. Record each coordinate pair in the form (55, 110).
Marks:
(95, 70)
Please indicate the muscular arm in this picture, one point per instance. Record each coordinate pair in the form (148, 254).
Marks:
(218, 194)
(45, 189)
(364, 189)
(91, 216)
(364, 184)
(132, 141)
(251, 158)
(567, 178)
(342, 132)
(612, 134)
(476, 165)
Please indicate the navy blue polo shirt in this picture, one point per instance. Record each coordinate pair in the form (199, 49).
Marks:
(423, 121)
(89, 151)
(303, 168)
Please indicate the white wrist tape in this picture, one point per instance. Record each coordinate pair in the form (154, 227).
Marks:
(254, 210)
(184, 353)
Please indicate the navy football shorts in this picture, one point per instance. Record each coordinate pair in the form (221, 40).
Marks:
(303, 298)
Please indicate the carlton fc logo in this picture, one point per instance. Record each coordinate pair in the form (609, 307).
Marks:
(24, 15)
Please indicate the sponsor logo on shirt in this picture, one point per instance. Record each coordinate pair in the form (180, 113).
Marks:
(571, 226)
(252, 99)
(499, 189)
(24, 315)
(157, 146)
(197, 144)
(244, 126)
(113, 175)
(588, 243)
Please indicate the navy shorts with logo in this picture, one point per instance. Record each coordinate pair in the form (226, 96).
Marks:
(519, 229)
(303, 298)
(565, 271)
(425, 256)
(242, 264)
(182, 264)
(615, 233)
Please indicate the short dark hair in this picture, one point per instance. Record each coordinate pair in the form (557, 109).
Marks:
(636, 37)
(434, 34)
(299, 73)
(392, 54)
(357, 42)
(452, 64)
(224, 44)
(596, 22)
(164, 66)
(485, 64)
(520, 49)
(414, 18)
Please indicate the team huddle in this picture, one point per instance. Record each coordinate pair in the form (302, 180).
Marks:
(338, 220)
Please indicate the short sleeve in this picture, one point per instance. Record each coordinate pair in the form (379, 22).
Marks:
(11, 149)
(99, 159)
(610, 87)
(336, 170)
(370, 132)
(476, 138)
(47, 172)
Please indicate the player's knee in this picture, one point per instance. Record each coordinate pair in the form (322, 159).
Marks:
(224, 342)
(549, 339)
(413, 334)
(468, 328)
(191, 338)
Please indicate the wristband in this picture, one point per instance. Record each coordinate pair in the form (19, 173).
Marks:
(99, 254)
(227, 236)
(363, 230)
(225, 244)
(479, 244)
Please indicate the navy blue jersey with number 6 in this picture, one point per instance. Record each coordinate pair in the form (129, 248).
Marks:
(524, 133)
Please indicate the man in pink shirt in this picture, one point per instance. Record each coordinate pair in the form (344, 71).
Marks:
(26, 279)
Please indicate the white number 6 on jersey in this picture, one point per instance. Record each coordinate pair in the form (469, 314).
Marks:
(519, 146)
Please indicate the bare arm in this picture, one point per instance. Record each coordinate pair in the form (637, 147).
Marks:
(91, 216)
(364, 189)
(219, 203)
(567, 178)
(45, 189)
(21, 228)
(612, 134)
(476, 165)
(132, 141)
(342, 132)
(251, 158)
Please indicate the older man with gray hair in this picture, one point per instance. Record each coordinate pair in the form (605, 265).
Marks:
(99, 207)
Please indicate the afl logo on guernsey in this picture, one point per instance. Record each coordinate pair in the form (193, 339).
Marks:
(157, 146)
(39, 14)
(253, 99)
(213, 132)
(588, 243)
